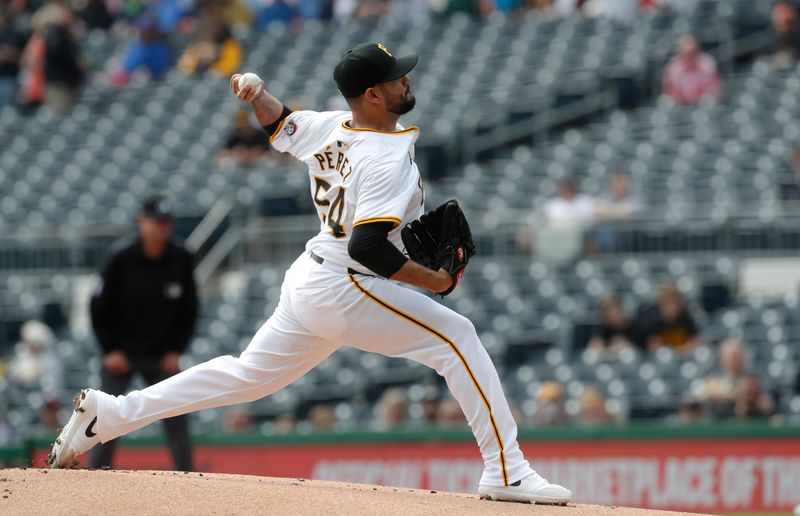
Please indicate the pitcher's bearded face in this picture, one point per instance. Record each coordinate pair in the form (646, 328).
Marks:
(399, 99)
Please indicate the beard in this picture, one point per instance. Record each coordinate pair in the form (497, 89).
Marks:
(402, 105)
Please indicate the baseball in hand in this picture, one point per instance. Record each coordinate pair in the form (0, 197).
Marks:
(254, 83)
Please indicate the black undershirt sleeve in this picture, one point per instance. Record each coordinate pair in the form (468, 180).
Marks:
(271, 128)
(369, 246)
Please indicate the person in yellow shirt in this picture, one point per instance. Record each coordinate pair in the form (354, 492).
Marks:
(216, 50)
(672, 325)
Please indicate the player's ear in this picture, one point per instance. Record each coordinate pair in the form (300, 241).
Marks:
(372, 95)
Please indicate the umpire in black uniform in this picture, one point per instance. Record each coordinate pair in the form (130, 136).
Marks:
(144, 311)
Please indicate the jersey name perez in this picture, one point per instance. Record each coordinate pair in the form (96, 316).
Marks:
(356, 176)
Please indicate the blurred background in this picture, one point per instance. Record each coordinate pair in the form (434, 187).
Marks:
(630, 168)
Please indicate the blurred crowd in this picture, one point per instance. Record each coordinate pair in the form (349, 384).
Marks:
(34, 365)
(732, 391)
(573, 222)
(42, 61)
(41, 52)
(394, 410)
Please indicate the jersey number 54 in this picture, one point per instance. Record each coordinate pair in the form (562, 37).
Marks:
(336, 211)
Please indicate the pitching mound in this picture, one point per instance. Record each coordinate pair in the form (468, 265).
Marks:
(70, 492)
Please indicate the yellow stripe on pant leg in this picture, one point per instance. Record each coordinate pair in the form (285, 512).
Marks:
(455, 349)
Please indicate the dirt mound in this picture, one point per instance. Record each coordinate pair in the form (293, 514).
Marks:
(40, 491)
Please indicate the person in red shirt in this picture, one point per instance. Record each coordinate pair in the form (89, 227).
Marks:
(691, 75)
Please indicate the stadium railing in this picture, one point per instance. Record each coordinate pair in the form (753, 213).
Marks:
(281, 239)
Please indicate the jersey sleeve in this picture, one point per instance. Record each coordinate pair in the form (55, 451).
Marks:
(382, 193)
(301, 131)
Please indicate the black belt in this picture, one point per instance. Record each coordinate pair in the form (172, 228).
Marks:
(320, 260)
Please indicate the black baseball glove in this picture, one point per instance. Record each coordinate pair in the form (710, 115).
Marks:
(441, 239)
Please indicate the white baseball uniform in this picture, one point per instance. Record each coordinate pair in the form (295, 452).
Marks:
(356, 176)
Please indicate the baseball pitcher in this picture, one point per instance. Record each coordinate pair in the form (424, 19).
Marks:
(344, 289)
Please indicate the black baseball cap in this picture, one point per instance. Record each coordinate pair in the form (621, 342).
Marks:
(157, 207)
(369, 64)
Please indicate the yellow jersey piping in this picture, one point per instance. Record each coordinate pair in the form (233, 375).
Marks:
(404, 131)
(395, 220)
(277, 130)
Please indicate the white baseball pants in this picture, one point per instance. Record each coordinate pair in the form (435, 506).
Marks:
(322, 308)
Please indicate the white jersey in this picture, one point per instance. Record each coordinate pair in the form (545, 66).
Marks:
(356, 175)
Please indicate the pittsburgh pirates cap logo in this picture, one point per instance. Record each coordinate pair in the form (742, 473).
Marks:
(385, 50)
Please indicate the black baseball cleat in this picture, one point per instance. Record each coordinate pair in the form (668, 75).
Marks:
(78, 435)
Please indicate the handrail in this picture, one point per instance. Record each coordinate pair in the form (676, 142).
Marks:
(601, 100)
(212, 220)
(214, 258)
(539, 124)
(281, 241)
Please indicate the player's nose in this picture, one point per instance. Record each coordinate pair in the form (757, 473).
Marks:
(404, 80)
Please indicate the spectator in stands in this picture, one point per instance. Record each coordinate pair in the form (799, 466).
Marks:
(557, 8)
(543, 6)
(51, 12)
(617, 331)
(148, 53)
(719, 391)
(94, 14)
(215, 50)
(275, 11)
(430, 405)
(315, 9)
(322, 418)
(621, 12)
(170, 15)
(504, 6)
(450, 414)
(570, 208)
(550, 409)
(236, 420)
(36, 362)
(246, 145)
(674, 6)
(128, 11)
(234, 14)
(371, 10)
(691, 75)
(690, 411)
(671, 325)
(790, 183)
(618, 204)
(32, 79)
(11, 45)
(21, 15)
(48, 415)
(786, 47)
(285, 424)
(144, 311)
(343, 10)
(392, 410)
(451, 7)
(751, 402)
(63, 66)
(593, 408)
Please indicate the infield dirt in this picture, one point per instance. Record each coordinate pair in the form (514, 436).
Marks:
(86, 493)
